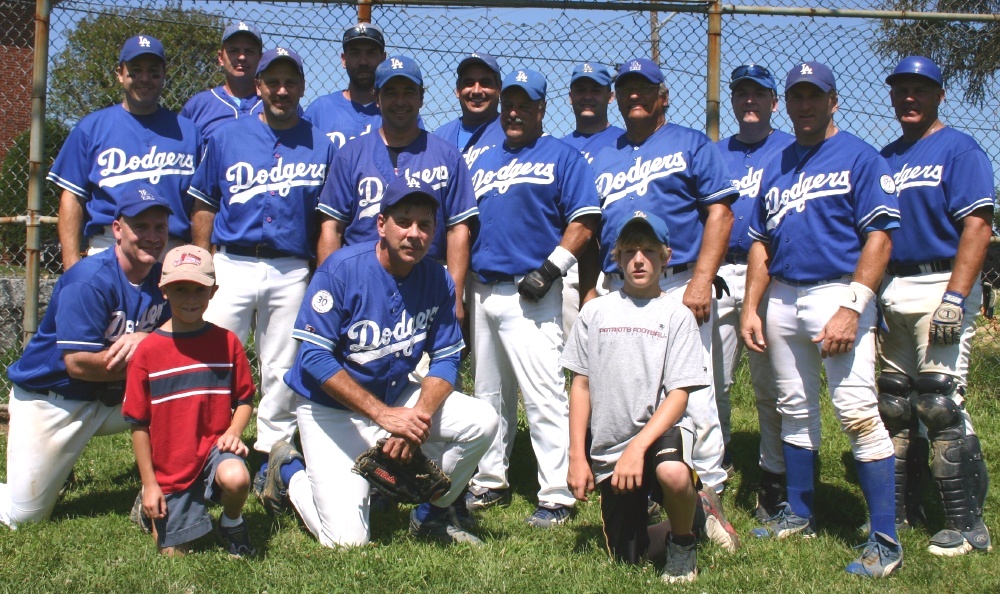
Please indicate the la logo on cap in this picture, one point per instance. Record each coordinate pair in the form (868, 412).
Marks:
(806, 69)
(146, 195)
(635, 65)
(281, 51)
(473, 55)
(412, 182)
(587, 67)
(143, 42)
(243, 26)
(361, 28)
(396, 64)
(521, 76)
(640, 214)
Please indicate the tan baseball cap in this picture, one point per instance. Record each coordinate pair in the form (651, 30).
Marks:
(188, 263)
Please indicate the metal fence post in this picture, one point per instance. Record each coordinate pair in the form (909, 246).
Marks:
(33, 242)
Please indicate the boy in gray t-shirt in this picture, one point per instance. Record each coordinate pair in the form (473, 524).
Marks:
(636, 355)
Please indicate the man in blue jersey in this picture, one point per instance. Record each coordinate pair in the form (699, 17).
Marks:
(237, 97)
(70, 381)
(352, 113)
(754, 100)
(538, 210)
(821, 235)
(590, 95)
(349, 203)
(931, 298)
(257, 190)
(478, 91)
(114, 150)
(371, 312)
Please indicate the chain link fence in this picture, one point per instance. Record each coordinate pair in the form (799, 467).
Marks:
(85, 35)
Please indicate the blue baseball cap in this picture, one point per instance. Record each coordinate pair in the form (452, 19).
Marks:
(404, 187)
(279, 53)
(811, 72)
(651, 220)
(235, 28)
(755, 72)
(480, 58)
(137, 201)
(364, 32)
(394, 66)
(531, 81)
(593, 71)
(643, 67)
(140, 45)
(918, 65)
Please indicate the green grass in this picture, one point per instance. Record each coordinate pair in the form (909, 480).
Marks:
(90, 546)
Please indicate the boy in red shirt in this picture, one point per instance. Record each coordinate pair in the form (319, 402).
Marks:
(189, 396)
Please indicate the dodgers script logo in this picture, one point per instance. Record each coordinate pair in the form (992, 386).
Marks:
(248, 182)
(120, 325)
(370, 189)
(473, 153)
(749, 184)
(374, 342)
(513, 173)
(808, 187)
(920, 175)
(615, 186)
(338, 139)
(118, 167)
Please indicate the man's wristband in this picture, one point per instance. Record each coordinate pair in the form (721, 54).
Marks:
(562, 258)
(858, 297)
(953, 298)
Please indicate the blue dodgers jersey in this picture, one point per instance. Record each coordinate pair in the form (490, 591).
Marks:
(92, 306)
(342, 119)
(265, 184)
(490, 133)
(527, 197)
(591, 144)
(363, 169)
(816, 205)
(214, 107)
(376, 326)
(674, 173)
(746, 164)
(940, 180)
(111, 152)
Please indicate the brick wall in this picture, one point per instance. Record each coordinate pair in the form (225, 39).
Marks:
(17, 33)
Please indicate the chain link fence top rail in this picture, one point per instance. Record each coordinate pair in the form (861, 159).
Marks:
(550, 41)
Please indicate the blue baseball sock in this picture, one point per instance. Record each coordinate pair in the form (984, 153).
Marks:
(289, 469)
(264, 464)
(426, 511)
(800, 467)
(878, 483)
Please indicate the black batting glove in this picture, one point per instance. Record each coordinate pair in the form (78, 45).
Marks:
(537, 283)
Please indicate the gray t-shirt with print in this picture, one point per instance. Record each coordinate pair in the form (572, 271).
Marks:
(633, 351)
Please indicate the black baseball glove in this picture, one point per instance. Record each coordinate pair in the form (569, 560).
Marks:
(416, 481)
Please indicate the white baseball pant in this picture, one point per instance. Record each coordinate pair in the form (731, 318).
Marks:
(908, 304)
(702, 408)
(518, 343)
(333, 502)
(727, 347)
(46, 435)
(795, 316)
(266, 295)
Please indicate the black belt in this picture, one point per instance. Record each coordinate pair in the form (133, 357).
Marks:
(736, 257)
(923, 268)
(256, 251)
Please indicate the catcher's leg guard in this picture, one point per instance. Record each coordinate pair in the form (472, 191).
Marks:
(897, 414)
(957, 465)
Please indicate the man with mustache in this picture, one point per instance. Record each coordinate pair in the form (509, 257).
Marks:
(257, 191)
(113, 151)
(538, 210)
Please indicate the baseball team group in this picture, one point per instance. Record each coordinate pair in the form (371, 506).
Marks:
(368, 255)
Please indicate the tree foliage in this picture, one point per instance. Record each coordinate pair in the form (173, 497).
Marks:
(968, 53)
(83, 74)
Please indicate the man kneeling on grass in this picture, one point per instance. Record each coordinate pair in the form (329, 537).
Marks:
(189, 396)
(636, 355)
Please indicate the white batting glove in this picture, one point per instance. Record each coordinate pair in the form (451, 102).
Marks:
(946, 324)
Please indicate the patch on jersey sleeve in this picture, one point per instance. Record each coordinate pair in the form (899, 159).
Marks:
(322, 302)
(888, 186)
